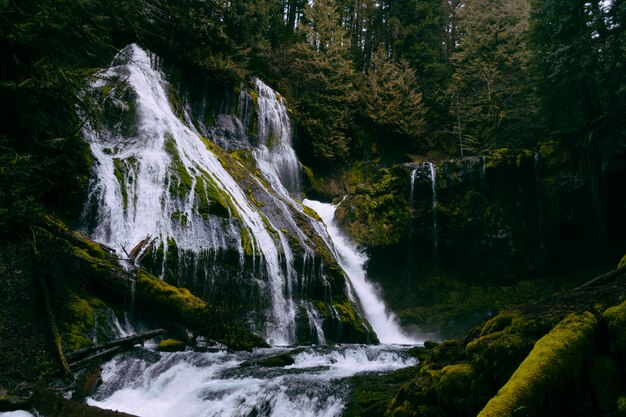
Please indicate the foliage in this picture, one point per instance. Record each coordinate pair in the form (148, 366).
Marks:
(491, 99)
(391, 97)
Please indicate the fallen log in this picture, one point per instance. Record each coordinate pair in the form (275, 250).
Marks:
(603, 279)
(122, 342)
(100, 355)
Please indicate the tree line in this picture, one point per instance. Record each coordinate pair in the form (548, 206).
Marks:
(364, 78)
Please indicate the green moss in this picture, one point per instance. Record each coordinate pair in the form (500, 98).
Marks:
(211, 200)
(452, 387)
(119, 172)
(346, 312)
(622, 262)
(312, 213)
(554, 360)
(246, 243)
(78, 321)
(253, 199)
(180, 217)
(253, 96)
(604, 381)
(183, 306)
(185, 182)
(171, 345)
(615, 318)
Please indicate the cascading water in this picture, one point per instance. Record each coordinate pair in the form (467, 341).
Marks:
(138, 201)
(427, 170)
(192, 384)
(353, 261)
(275, 153)
(433, 182)
(155, 177)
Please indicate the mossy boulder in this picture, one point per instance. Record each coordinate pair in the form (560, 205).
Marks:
(171, 345)
(615, 318)
(452, 386)
(555, 360)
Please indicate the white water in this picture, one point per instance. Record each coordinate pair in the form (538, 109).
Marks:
(353, 261)
(192, 384)
(275, 153)
(433, 182)
(150, 205)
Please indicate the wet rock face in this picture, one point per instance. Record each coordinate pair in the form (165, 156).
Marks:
(505, 215)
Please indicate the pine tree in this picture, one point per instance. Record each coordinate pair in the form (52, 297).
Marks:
(491, 100)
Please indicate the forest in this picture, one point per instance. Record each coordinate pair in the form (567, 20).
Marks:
(364, 79)
(471, 154)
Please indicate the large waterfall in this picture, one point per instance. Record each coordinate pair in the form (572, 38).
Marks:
(163, 194)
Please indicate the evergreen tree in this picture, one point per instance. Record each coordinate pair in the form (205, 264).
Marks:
(392, 99)
(491, 100)
(565, 48)
(319, 79)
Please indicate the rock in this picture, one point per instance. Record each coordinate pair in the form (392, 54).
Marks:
(171, 345)
(431, 344)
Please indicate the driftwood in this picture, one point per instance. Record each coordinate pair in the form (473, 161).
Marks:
(123, 343)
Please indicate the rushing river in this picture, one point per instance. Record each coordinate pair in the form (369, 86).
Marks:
(193, 384)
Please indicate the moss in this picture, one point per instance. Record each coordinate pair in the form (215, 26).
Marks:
(253, 199)
(185, 182)
(180, 217)
(622, 262)
(604, 382)
(555, 359)
(497, 355)
(171, 345)
(253, 96)
(211, 200)
(179, 303)
(615, 318)
(376, 214)
(312, 213)
(79, 320)
(119, 172)
(452, 387)
(246, 243)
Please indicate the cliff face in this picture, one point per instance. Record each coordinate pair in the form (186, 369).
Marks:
(492, 221)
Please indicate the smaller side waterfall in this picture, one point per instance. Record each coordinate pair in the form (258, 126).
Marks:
(275, 153)
(353, 261)
(413, 175)
(433, 182)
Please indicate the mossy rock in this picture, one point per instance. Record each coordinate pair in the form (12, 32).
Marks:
(453, 385)
(171, 345)
(556, 360)
(604, 382)
(615, 318)
(497, 355)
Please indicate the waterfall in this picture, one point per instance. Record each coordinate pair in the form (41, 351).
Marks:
(483, 171)
(413, 175)
(274, 153)
(353, 262)
(162, 171)
(433, 182)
